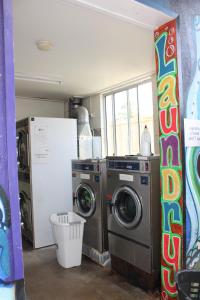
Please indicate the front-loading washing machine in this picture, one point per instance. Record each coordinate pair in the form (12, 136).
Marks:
(26, 210)
(133, 198)
(89, 187)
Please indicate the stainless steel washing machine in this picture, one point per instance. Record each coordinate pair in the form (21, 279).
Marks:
(133, 198)
(89, 186)
(23, 161)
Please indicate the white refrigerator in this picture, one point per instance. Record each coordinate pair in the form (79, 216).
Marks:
(52, 146)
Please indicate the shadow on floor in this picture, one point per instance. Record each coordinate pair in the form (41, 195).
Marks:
(46, 280)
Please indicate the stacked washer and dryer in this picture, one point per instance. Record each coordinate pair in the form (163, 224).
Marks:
(45, 148)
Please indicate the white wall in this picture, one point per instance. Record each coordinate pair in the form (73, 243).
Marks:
(26, 107)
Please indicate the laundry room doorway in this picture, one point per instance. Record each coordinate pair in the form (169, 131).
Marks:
(98, 62)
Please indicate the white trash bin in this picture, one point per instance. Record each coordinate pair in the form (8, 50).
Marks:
(68, 235)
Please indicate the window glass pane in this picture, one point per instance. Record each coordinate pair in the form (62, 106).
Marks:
(109, 125)
(103, 127)
(133, 121)
(145, 98)
(121, 118)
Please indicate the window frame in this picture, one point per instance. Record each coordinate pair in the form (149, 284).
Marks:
(112, 93)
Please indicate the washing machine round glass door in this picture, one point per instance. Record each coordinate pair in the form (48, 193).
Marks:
(85, 200)
(22, 149)
(126, 207)
(26, 211)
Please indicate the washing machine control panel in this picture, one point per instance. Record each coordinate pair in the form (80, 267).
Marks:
(136, 166)
(123, 165)
(82, 167)
(85, 167)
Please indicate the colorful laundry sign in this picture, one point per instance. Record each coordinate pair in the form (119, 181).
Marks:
(170, 157)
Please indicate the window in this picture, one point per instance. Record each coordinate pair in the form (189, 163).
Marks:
(121, 122)
(125, 115)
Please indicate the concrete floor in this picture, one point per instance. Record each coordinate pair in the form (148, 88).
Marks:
(46, 280)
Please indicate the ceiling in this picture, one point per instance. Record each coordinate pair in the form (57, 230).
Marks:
(96, 44)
